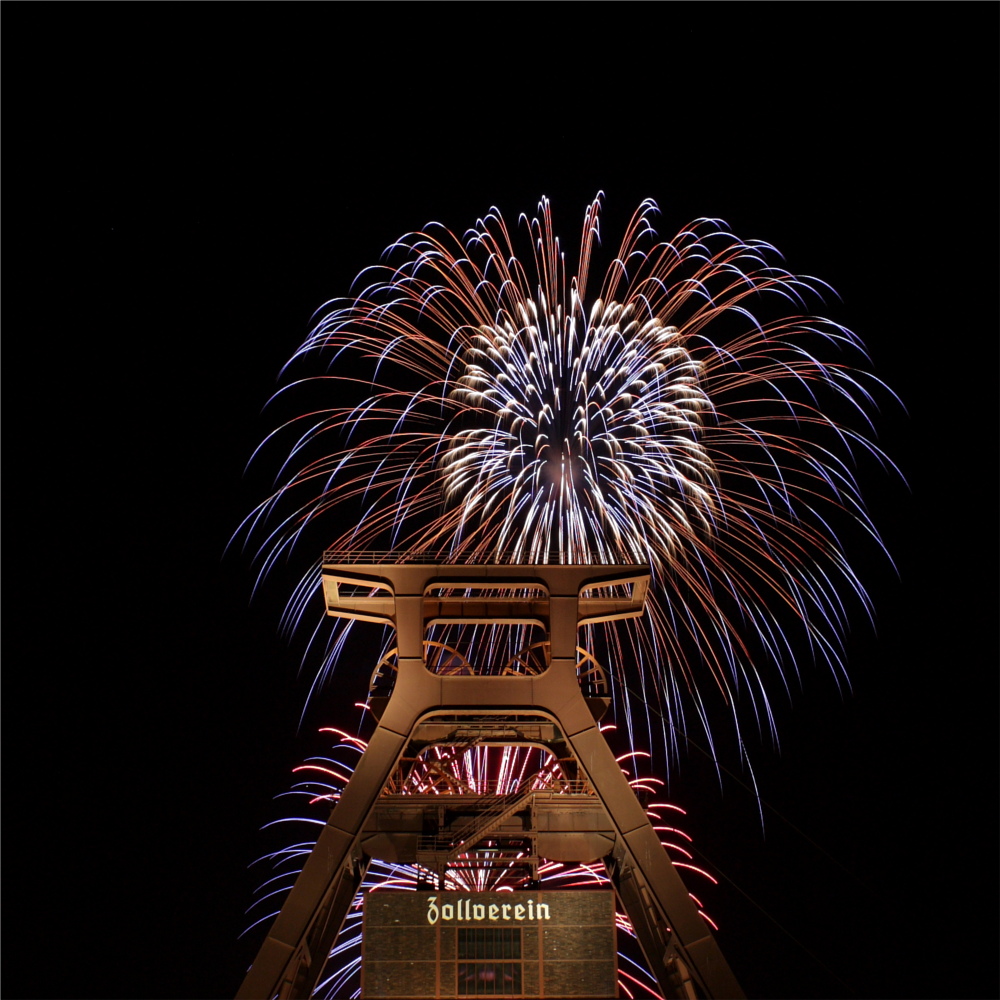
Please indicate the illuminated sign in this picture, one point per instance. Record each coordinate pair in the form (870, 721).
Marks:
(546, 943)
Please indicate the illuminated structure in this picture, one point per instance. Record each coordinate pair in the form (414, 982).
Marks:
(548, 697)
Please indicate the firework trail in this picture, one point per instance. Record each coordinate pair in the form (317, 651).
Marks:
(682, 409)
(479, 770)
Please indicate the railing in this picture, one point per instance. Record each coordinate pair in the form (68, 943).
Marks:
(488, 790)
(496, 809)
(403, 782)
(533, 659)
(505, 557)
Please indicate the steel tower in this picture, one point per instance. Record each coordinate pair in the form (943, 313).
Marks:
(550, 698)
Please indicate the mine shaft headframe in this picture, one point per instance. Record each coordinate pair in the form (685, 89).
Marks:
(482, 593)
(413, 595)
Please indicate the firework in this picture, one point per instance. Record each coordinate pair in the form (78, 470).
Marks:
(440, 770)
(684, 409)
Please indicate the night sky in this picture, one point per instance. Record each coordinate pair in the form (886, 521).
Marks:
(186, 184)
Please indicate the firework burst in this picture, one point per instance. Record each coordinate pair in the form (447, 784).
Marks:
(685, 410)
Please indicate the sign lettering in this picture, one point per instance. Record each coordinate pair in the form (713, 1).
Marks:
(466, 910)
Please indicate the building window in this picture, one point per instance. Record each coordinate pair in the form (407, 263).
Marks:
(485, 966)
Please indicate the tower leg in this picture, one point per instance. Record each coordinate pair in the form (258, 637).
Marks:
(292, 957)
(675, 940)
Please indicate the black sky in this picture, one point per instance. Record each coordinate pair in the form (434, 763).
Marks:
(187, 183)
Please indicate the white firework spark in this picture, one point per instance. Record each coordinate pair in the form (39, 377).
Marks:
(689, 413)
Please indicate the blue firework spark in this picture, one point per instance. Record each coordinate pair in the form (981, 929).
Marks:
(482, 400)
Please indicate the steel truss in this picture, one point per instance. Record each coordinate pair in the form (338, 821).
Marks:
(547, 709)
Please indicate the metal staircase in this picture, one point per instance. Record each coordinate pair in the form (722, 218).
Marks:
(493, 815)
